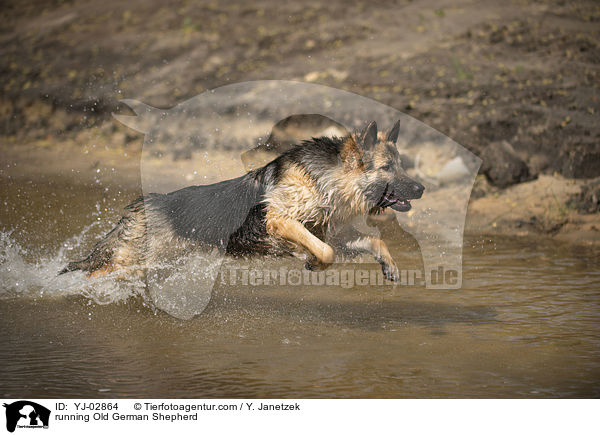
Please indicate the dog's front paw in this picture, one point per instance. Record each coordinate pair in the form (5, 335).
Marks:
(313, 264)
(390, 271)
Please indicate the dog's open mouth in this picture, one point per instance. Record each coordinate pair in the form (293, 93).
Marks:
(396, 203)
(399, 198)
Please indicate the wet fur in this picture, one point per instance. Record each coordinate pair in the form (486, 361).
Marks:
(286, 207)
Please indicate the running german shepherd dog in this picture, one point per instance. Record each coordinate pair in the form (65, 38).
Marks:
(286, 207)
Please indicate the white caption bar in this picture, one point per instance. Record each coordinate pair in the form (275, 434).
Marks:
(78, 416)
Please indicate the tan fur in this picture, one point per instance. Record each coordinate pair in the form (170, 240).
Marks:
(376, 247)
(296, 197)
(298, 202)
(334, 199)
(379, 249)
(104, 270)
(295, 232)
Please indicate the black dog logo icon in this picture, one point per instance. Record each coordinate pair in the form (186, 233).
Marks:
(26, 413)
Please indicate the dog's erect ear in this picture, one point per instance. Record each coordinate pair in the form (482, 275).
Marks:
(369, 136)
(392, 135)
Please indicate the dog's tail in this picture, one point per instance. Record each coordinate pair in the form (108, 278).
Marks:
(75, 265)
(100, 256)
(97, 259)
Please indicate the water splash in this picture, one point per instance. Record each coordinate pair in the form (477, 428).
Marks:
(21, 277)
(182, 289)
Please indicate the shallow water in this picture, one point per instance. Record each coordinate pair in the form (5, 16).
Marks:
(525, 324)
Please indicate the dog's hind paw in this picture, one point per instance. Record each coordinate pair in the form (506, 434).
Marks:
(390, 271)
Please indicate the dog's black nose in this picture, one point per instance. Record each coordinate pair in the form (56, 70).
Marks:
(418, 189)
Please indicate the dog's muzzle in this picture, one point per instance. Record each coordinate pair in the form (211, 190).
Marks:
(398, 197)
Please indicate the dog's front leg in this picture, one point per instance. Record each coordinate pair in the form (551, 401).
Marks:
(379, 250)
(294, 231)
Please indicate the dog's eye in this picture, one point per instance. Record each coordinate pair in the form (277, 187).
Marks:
(387, 167)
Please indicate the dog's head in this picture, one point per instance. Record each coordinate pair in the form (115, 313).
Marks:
(383, 179)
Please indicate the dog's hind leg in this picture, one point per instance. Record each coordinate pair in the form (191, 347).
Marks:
(293, 231)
